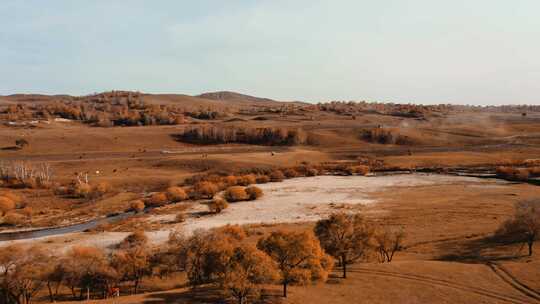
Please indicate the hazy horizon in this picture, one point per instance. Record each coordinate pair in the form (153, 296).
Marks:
(419, 51)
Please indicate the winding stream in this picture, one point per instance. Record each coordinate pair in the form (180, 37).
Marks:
(31, 234)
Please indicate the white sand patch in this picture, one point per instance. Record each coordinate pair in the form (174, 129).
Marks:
(312, 198)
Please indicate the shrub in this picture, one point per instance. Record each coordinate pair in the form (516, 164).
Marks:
(101, 188)
(180, 217)
(360, 170)
(27, 211)
(137, 238)
(157, 199)
(236, 194)
(534, 171)
(254, 192)
(61, 190)
(277, 176)
(246, 180)
(13, 219)
(290, 173)
(6, 205)
(231, 180)
(176, 194)
(205, 189)
(82, 190)
(137, 206)
(262, 179)
(12, 196)
(312, 172)
(218, 204)
(513, 173)
(234, 231)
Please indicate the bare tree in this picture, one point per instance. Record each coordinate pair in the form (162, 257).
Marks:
(345, 237)
(525, 225)
(388, 241)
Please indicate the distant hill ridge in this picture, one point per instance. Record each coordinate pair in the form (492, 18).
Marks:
(233, 96)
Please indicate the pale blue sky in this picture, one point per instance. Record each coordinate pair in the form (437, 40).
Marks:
(429, 51)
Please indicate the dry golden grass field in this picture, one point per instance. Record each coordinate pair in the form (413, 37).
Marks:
(449, 177)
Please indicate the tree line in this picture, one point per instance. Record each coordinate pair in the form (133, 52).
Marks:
(222, 257)
(256, 136)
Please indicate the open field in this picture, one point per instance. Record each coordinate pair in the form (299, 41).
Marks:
(449, 177)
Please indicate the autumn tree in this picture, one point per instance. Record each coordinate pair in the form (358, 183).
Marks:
(205, 255)
(299, 257)
(171, 257)
(54, 277)
(8, 261)
(88, 269)
(245, 270)
(344, 236)
(23, 273)
(525, 224)
(220, 257)
(388, 241)
(132, 264)
(135, 239)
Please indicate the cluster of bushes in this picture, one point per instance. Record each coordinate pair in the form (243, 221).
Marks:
(239, 193)
(255, 136)
(237, 187)
(171, 195)
(84, 190)
(13, 210)
(385, 136)
(220, 258)
(261, 175)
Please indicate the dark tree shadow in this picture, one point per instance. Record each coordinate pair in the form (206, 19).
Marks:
(208, 295)
(496, 247)
(11, 148)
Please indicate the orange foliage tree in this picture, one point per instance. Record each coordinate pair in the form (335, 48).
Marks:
(299, 257)
(346, 237)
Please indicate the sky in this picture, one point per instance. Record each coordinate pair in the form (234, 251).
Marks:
(421, 51)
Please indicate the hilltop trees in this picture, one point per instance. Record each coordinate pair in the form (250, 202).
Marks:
(525, 225)
(299, 257)
(346, 237)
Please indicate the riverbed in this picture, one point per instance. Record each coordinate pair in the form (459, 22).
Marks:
(303, 199)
